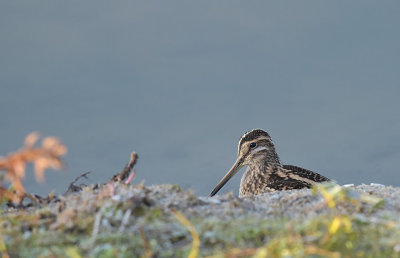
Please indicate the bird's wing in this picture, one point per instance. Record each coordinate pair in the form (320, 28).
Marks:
(308, 174)
(280, 183)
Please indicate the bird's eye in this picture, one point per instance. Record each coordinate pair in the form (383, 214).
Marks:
(253, 145)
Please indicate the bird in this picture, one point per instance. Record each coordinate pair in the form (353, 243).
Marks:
(265, 172)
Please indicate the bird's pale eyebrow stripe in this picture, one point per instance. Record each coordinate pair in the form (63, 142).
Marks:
(259, 149)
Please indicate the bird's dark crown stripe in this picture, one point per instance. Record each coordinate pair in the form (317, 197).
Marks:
(252, 135)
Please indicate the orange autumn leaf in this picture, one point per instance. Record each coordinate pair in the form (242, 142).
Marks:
(12, 167)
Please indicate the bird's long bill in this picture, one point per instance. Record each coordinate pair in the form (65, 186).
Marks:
(231, 173)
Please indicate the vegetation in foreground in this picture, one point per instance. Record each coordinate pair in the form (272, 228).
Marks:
(121, 220)
(12, 167)
(165, 221)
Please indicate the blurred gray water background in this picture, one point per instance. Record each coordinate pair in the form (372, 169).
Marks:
(179, 82)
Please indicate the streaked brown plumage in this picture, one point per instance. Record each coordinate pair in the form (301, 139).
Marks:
(265, 171)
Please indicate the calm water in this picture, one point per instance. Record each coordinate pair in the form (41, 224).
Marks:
(179, 83)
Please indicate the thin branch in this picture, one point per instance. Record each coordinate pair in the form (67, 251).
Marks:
(72, 188)
(124, 174)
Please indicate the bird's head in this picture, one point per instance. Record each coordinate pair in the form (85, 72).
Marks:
(253, 147)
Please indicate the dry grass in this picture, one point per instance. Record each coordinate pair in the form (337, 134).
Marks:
(13, 167)
(165, 221)
(117, 219)
(195, 236)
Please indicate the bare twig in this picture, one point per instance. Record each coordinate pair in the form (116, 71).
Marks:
(121, 176)
(131, 176)
(76, 188)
